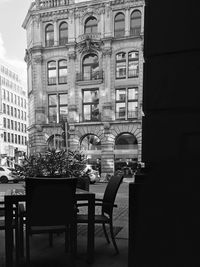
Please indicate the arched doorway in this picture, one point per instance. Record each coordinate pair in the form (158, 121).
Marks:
(126, 153)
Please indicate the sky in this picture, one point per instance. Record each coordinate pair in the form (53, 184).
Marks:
(12, 35)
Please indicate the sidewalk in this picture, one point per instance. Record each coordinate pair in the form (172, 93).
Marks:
(42, 255)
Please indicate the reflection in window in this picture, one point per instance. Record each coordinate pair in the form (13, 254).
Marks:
(57, 107)
(51, 69)
(119, 25)
(49, 35)
(90, 67)
(62, 71)
(125, 141)
(133, 64)
(91, 142)
(91, 25)
(91, 105)
(55, 142)
(63, 33)
(126, 103)
(121, 65)
(135, 23)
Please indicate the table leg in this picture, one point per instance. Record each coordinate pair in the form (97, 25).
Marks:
(90, 232)
(8, 233)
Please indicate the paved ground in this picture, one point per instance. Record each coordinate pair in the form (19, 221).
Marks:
(105, 255)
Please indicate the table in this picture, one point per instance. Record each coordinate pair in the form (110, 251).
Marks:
(11, 199)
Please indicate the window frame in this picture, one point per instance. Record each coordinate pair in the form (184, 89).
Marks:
(63, 40)
(93, 27)
(126, 100)
(49, 42)
(91, 104)
(64, 81)
(57, 106)
(51, 80)
(135, 30)
(121, 31)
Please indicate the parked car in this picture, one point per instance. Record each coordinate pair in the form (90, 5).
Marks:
(7, 174)
(93, 174)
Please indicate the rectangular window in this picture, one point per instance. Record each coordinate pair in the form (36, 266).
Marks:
(18, 111)
(8, 123)
(11, 111)
(15, 99)
(18, 101)
(11, 97)
(19, 139)
(22, 115)
(15, 138)
(18, 129)
(91, 105)
(12, 138)
(121, 65)
(12, 125)
(4, 108)
(22, 127)
(4, 137)
(58, 107)
(8, 95)
(15, 112)
(15, 126)
(4, 122)
(126, 103)
(22, 140)
(8, 137)
(8, 110)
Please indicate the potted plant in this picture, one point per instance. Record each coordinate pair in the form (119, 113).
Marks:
(56, 164)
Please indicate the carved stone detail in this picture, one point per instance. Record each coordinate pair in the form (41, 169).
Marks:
(38, 59)
(107, 51)
(72, 55)
(89, 45)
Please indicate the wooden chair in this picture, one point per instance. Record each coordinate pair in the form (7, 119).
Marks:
(51, 208)
(107, 205)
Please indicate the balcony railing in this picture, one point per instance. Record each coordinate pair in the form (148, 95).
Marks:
(51, 3)
(123, 116)
(91, 36)
(135, 31)
(89, 117)
(88, 76)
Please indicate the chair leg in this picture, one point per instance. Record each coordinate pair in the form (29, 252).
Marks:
(51, 239)
(105, 233)
(113, 237)
(27, 249)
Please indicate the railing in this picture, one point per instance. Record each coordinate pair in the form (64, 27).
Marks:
(124, 116)
(52, 81)
(63, 41)
(92, 36)
(135, 31)
(62, 80)
(88, 76)
(51, 3)
(49, 43)
(90, 117)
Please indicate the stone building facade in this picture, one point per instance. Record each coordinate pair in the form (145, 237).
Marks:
(85, 75)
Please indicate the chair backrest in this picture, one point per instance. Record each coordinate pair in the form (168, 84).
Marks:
(111, 192)
(50, 201)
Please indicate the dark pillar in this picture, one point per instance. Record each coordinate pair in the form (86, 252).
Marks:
(165, 221)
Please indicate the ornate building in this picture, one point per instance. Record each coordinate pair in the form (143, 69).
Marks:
(85, 66)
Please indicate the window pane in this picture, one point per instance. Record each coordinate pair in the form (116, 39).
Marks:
(63, 113)
(86, 112)
(135, 23)
(121, 95)
(91, 25)
(63, 36)
(52, 114)
(120, 110)
(132, 109)
(63, 99)
(132, 93)
(52, 100)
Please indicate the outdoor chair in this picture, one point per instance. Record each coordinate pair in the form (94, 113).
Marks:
(107, 205)
(47, 200)
(15, 227)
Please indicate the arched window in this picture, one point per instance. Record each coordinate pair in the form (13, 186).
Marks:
(62, 71)
(51, 69)
(133, 64)
(121, 65)
(90, 67)
(63, 33)
(91, 25)
(49, 35)
(91, 142)
(119, 25)
(135, 23)
(125, 141)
